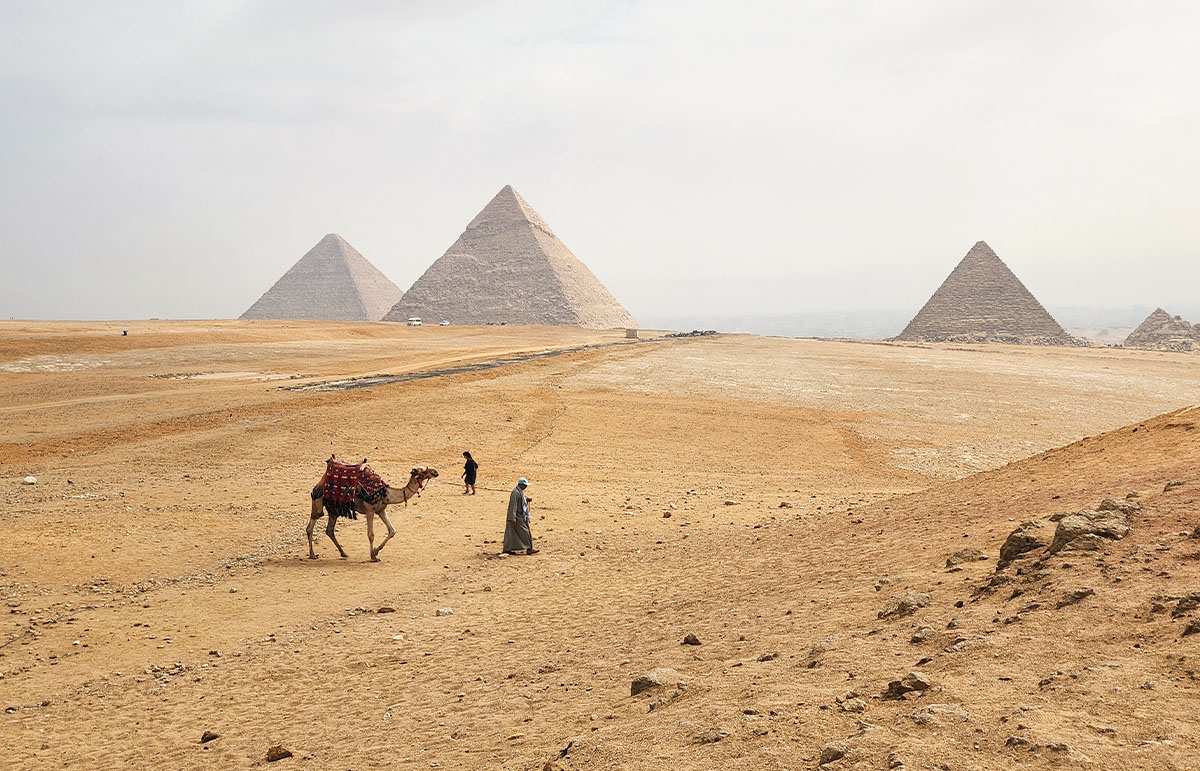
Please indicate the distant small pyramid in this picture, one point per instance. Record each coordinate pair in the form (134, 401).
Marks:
(1163, 332)
(333, 282)
(508, 267)
(982, 301)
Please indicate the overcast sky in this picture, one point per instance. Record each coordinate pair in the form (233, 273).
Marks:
(174, 159)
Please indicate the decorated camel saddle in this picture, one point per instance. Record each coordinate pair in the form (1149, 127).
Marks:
(343, 482)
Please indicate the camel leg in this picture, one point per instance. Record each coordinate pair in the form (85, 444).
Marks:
(391, 531)
(312, 521)
(371, 534)
(329, 532)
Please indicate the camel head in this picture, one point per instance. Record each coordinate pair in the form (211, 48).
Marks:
(423, 473)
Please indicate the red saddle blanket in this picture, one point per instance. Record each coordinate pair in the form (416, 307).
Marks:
(343, 482)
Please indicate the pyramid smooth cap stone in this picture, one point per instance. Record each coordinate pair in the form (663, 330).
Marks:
(508, 267)
(332, 282)
(982, 300)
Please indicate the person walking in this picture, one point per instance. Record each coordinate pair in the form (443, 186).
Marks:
(468, 475)
(517, 536)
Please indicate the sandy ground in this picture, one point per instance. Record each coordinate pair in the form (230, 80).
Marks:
(752, 492)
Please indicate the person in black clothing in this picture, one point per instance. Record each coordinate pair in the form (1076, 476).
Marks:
(468, 475)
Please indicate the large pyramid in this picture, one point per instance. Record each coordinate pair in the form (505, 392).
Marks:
(1163, 332)
(333, 282)
(982, 301)
(508, 267)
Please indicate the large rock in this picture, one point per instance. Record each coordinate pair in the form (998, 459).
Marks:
(1111, 523)
(1028, 536)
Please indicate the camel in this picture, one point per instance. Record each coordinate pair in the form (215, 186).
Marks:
(371, 503)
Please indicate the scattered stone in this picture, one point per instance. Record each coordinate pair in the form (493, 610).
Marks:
(833, 751)
(666, 515)
(969, 554)
(712, 737)
(1192, 628)
(30, 480)
(208, 736)
(1070, 598)
(278, 752)
(445, 611)
(691, 639)
(386, 609)
(663, 701)
(854, 705)
(655, 678)
(1169, 486)
(769, 656)
(940, 715)
(1109, 523)
(904, 605)
(1026, 538)
(1017, 741)
(730, 503)
(894, 762)
(956, 623)
(913, 681)
(785, 505)
(921, 635)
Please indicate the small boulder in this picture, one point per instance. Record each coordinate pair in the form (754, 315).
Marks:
(1070, 598)
(31, 480)
(1193, 627)
(921, 635)
(655, 678)
(208, 736)
(1186, 604)
(1172, 485)
(904, 605)
(1110, 523)
(1027, 537)
(691, 639)
(913, 681)
(278, 752)
(854, 705)
(831, 752)
(386, 609)
(969, 554)
(445, 611)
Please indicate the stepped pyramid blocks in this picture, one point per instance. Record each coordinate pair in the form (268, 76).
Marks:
(982, 301)
(508, 267)
(333, 282)
(1164, 332)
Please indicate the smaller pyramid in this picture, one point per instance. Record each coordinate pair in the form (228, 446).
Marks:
(508, 267)
(983, 301)
(333, 282)
(1163, 332)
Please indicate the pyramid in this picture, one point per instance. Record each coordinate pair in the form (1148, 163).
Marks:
(1163, 332)
(333, 282)
(982, 301)
(508, 267)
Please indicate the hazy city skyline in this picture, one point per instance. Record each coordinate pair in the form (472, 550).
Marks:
(718, 157)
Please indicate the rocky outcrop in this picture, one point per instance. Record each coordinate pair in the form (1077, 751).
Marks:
(982, 301)
(508, 267)
(332, 282)
(1163, 332)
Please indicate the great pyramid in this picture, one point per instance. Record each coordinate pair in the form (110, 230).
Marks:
(333, 282)
(508, 267)
(1163, 332)
(982, 301)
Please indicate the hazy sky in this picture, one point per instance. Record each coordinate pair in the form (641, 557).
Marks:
(174, 159)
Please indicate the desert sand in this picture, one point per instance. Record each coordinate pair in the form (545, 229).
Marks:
(774, 498)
